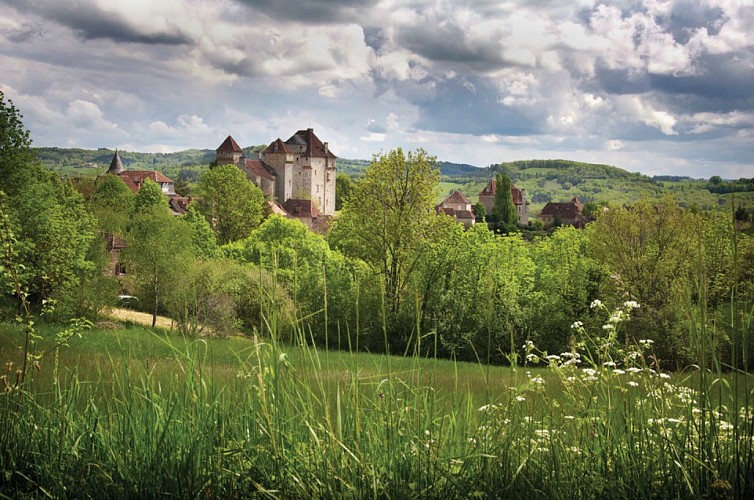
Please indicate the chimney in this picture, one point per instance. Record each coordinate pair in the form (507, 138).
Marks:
(327, 148)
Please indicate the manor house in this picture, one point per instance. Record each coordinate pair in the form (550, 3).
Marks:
(298, 174)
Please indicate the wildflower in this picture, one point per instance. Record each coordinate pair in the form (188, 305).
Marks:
(664, 375)
(520, 398)
(595, 303)
(618, 371)
(590, 378)
(487, 407)
(608, 326)
(674, 420)
(538, 380)
(633, 369)
(426, 432)
(631, 304)
(633, 384)
(577, 324)
(569, 417)
(610, 364)
(646, 342)
(616, 317)
(553, 357)
(590, 371)
(529, 345)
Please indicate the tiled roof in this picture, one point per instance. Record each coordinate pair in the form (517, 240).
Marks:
(260, 168)
(567, 210)
(314, 147)
(456, 197)
(276, 208)
(278, 146)
(135, 178)
(301, 208)
(458, 214)
(517, 194)
(490, 188)
(229, 145)
(116, 166)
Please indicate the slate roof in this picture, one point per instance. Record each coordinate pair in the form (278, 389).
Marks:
(229, 145)
(314, 147)
(566, 211)
(116, 165)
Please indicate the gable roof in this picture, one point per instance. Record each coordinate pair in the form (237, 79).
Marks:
(116, 165)
(456, 197)
(568, 210)
(314, 147)
(278, 146)
(229, 145)
(135, 178)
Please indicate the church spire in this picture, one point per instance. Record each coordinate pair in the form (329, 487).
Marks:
(116, 166)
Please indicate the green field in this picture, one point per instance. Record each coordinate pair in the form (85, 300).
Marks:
(126, 411)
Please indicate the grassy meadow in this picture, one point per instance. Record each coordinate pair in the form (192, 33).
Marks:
(127, 411)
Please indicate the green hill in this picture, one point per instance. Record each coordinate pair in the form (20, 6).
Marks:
(543, 180)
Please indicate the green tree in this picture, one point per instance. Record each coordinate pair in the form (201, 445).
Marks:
(46, 215)
(388, 215)
(504, 211)
(232, 205)
(480, 211)
(159, 251)
(205, 242)
(111, 203)
(343, 188)
(149, 198)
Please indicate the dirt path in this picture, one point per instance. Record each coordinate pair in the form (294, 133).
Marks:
(119, 314)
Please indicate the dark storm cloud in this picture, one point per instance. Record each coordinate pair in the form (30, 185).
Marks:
(23, 33)
(449, 44)
(311, 11)
(90, 22)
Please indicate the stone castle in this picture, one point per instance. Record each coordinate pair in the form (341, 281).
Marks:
(298, 174)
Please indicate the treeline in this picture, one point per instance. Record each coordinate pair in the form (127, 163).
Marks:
(391, 274)
(717, 185)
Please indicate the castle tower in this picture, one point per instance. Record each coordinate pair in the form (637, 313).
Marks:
(229, 152)
(116, 165)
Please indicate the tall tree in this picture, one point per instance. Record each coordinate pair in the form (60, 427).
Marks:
(504, 211)
(46, 215)
(343, 188)
(388, 215)
(232, 205)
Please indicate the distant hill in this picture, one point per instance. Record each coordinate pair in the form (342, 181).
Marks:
(543, 180)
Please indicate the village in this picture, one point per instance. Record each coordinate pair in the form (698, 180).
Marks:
(297, 178)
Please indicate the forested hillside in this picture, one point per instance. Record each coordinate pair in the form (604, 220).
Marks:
(543, 180)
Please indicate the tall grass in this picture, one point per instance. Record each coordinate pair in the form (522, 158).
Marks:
(195, 418)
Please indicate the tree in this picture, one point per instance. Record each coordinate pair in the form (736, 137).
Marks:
(150, 198)
(47, 215)
(111, 202)
(205, 242)
(343, 188)
(388, 215)
(504, 211)
(159, 251)
(232, 205)
(480, 211)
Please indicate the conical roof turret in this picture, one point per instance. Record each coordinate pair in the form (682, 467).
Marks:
(116, 166)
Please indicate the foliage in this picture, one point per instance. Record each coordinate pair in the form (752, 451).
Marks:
(388, 215)
(343, 188)
(202, 236)
(231, 204)
(504, 215)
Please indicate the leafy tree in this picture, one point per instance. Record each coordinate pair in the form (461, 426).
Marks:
(233, 205)
(480, 211)
(504, 211)
(46, 215)
(343, 188)
(205, 242)
(388, 216)
(159, 251)
(111, 202)
(150, 198)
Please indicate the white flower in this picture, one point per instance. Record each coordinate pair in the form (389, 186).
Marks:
(646, 342)
(608, 327)
(577, 324)
(589, 371)
(595, 303)
(633, 369)
(618, 371)
(520, 398)
(631, 304)
(538, 380)
(609, 363)
(664, 375)
(633, 384)
(553, 357)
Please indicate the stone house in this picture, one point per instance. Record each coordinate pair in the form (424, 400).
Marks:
(487, 198)
(568, 214)
(458, 206)
(298, 174)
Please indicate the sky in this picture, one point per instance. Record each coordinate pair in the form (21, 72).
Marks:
(657, 87)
